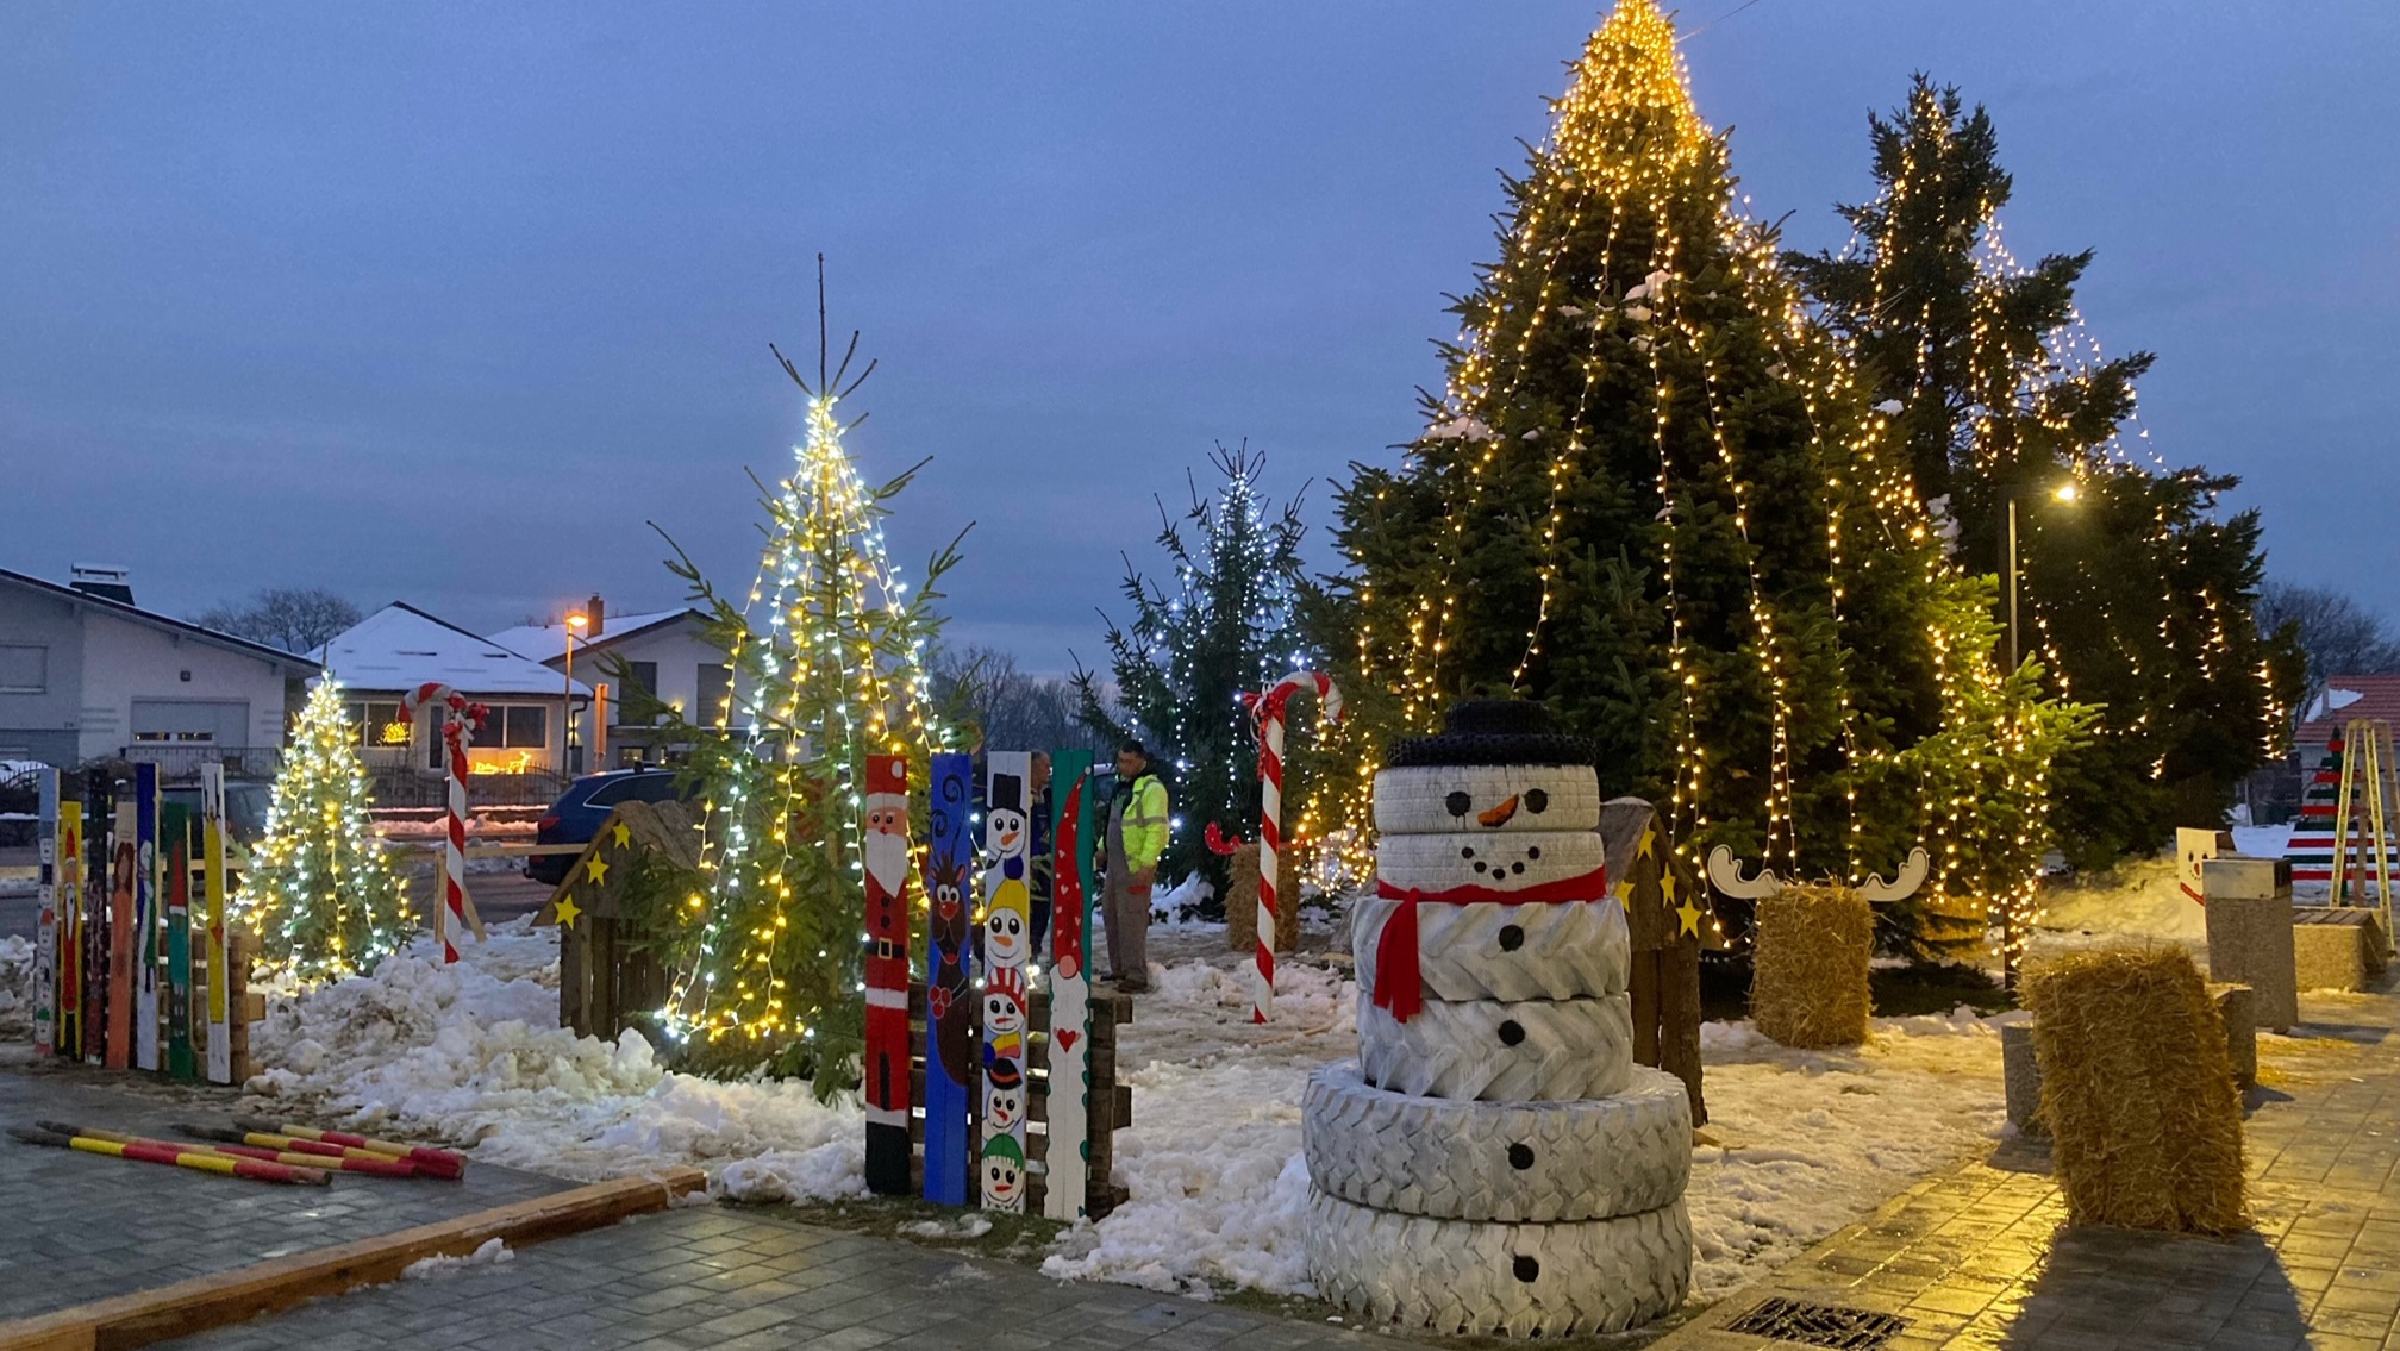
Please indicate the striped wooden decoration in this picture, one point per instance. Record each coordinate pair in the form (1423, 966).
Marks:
(1007, 997)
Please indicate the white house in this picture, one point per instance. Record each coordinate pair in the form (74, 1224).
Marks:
(85, 674)
(667, 651)
(400, 648)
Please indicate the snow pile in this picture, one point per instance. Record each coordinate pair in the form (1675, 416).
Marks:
(16, 982)
(964, 1227)
(473, 1054)
(492, 1253)
(2141, 898)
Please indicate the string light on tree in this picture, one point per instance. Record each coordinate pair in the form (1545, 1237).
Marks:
(320, 893)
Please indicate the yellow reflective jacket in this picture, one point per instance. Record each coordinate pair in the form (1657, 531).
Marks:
(1145, 821)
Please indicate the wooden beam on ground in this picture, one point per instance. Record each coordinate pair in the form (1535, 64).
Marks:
(244, 1293)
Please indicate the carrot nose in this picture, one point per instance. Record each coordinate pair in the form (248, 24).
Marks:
(1498, 816)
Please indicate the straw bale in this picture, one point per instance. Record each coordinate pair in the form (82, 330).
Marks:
(1809, 982)
(2138, 1090)
(1241, 899)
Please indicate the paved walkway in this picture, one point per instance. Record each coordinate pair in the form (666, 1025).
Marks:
(79, 1227)
(740, 1279)
(1981, 1257)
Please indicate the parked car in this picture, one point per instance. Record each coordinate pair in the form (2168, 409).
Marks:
(575, 818)
(246, 803)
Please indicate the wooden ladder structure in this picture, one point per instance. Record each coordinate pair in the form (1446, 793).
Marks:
(2369, 790)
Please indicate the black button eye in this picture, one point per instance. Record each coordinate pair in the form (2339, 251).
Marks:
(1536, 801)
(1459, 804)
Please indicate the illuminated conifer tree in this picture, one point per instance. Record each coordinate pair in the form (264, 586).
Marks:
(829, 660)
(319, 892)
(1654, 496)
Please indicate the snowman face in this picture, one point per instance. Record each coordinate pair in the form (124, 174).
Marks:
(1420, 799)
(1493, 862)
(1003, 1177)
(1002, 1014)
(1004, 832)
(1004, 937)
(1003, 1108)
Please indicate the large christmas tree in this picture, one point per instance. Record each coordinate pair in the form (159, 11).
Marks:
(828, 661)
(2134, 594)
(1224, 626)
(1653, 496)
(319, 892)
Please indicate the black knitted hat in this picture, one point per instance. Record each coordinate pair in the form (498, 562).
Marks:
(1492, 732)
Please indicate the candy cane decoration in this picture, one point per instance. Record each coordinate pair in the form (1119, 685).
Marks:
(460, 721)
(1268, 711)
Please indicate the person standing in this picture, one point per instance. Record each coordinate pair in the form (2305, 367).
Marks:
(1137, 835)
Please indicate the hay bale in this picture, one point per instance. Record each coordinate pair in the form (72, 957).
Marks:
(1809, 982)
(2138, 1090)
(1241, 899)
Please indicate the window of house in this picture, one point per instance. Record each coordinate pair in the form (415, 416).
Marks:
(515, 727)
(378, 723)
(24, 668)
(644, 675)
(715, 679)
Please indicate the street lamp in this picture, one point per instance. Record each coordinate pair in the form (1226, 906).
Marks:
(577, 621)
(2065, 494)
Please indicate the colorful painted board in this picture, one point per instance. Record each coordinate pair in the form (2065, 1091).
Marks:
(124, 860)
(145, 918)
(949, 981)
(69, 1036)
(218, 942)
(1007, 998)
(176, 826)
(1071, 837)
(886, 1069)
(45, 912)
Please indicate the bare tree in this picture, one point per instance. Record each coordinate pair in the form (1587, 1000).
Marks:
(2338, 635)
(296, 619)
(1013, 710)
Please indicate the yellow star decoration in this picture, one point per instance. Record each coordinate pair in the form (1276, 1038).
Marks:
(566, 912)
(620, 835)
(1649, 846)
(596, 868)
(1686, 914)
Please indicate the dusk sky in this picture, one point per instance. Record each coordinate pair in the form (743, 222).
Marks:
(442, 302)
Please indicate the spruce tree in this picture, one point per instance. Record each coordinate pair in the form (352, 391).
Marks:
(1223, 627)
(829, 666)
(2135, 596)
(320, 893)
(1653, 496)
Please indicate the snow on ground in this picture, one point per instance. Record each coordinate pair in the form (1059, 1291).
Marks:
(2142, 898)
(16, 982)
(1799, 1144)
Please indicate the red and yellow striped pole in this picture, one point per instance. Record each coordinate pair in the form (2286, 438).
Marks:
(442, 1163)
(182, 1156)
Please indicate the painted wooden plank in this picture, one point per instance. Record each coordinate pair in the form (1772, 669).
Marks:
(175, 829)
(125, 860)
(1068, 1172)
(146, 906)
(1007, 949)
(887, 967)
(949, 982)
(69, 1035)
(45, 911)
(215, 919)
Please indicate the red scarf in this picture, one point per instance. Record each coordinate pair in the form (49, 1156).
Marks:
(1399, 985)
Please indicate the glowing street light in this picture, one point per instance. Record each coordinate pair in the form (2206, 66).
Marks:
(2065, 494)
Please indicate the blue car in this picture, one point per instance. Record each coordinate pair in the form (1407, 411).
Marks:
(575, 818)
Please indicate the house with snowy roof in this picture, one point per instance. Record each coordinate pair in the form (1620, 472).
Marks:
(400, 648)
(86, 674)
(667, 652)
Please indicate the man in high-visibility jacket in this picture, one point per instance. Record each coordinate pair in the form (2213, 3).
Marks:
(1137, 835)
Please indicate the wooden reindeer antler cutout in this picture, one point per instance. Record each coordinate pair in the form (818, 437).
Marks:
(1912, 875)
(1726, 876)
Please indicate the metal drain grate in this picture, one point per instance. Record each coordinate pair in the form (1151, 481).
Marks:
(1789, 1320)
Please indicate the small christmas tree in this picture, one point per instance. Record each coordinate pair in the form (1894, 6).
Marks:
(319, 892)
(829, 665)
(1226, 627)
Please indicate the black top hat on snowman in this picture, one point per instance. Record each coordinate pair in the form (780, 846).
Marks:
(1493, 732)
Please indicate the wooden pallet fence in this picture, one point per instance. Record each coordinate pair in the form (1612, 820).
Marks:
(608, 976)
(1111, 1102)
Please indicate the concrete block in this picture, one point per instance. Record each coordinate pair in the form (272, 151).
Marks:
(2329, 956)
(2022, 1077)
(2250, 934)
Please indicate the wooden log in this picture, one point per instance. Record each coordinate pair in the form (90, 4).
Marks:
(1679, 1020)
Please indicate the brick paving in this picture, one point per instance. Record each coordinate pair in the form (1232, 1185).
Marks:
(742, 1279)
(79, 1227)
(1981, 1257)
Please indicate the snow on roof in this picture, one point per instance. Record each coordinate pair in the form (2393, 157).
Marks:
(400, 647)
(548, 642)
(2348, 697)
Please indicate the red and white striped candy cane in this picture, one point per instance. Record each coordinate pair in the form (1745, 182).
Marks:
(1268, 710)
(460, 721)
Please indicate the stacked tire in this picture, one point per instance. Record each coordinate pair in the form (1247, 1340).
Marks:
(1495, 1163)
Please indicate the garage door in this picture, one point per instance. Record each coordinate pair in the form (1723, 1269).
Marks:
(204, 721)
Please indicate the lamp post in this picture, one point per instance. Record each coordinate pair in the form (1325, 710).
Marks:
(576, 623)
(2065, 492)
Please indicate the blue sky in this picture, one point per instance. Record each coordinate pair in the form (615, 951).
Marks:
(442, 302)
